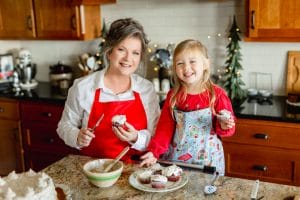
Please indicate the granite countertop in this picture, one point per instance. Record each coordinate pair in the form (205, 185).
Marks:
(68, 171)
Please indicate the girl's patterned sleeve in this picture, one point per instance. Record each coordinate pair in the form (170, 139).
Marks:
(223, 102)
(159, 143)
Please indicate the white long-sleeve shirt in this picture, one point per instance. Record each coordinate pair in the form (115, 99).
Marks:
(80, 100)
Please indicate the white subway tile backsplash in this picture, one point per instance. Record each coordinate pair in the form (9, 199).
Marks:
(171, 21)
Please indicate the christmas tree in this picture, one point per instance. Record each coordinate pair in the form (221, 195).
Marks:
(99, 55)
(232, 76)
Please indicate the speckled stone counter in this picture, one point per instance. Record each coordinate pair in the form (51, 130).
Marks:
(68, 171)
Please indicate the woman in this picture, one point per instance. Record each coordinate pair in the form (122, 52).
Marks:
(116, 90)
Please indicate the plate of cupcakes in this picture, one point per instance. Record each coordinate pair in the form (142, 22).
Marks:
(158, 178)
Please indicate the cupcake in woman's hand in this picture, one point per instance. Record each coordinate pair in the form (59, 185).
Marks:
(145, 177)
(173, 173)
(118, 120)
(158, 181)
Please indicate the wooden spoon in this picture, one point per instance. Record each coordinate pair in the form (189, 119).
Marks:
(107, 168)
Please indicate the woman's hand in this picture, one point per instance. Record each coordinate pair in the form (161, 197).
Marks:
(85, 137)
(126, 133)
(148, 159)
(227, 123)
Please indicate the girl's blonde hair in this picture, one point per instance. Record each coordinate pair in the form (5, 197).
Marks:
(179, 90)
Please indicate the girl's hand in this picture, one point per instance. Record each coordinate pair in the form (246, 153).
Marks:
(85, 137)
(127, 133)
(148, 159)
(227, 123)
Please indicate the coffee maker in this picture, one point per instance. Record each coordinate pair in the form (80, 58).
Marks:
(26, 71)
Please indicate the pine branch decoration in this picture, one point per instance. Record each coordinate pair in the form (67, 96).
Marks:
(232, 75)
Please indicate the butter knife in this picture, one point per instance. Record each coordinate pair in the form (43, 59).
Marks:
(97, 123)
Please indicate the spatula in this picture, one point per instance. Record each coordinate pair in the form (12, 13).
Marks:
(108, 168)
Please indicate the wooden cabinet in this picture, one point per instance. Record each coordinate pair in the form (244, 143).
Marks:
(11, 151)
(273, 20)
(41, 143)
(264, 150)
(50, 19)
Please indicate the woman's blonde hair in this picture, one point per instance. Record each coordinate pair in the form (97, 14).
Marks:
(179, 90)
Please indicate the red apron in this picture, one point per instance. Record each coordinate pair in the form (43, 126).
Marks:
(106, 144)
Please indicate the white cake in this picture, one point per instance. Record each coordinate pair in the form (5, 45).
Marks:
(27, 186)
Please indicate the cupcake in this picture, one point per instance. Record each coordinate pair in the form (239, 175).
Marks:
(118, 120)
(144, 177)
(156, 168)
(173, 173)
(158, 181)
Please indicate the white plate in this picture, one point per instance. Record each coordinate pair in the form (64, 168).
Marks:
(170, 186)
(66, 190)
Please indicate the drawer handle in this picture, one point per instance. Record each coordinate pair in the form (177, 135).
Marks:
(253, 19)
(260, 168)
(46, 114)
(261, 136)
(51, 140)
(1, 109)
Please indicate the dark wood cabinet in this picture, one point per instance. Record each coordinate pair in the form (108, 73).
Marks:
(50, 19)
(264, 150)
(11, 150)
(41, 143)
(277, 21)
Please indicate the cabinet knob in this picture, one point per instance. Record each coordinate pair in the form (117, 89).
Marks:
(261, 136)
(260, 168)
(51, 140)
(46, 114)
(1, 109)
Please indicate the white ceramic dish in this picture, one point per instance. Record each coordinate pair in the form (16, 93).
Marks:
(66, 190)
(171, 186)
(265, 93)
(252, 92)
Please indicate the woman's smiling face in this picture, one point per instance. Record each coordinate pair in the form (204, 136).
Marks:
(126, 56)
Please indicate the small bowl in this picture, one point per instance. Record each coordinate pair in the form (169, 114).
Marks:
(92, 171)
(265, 93)
(252, 92)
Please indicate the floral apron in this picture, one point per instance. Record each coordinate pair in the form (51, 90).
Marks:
(193, 142)
(106, 144)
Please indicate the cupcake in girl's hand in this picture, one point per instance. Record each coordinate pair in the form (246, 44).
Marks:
(145, 177)
(173, 173)
(118, 120)
(158, 181)
(224, 115)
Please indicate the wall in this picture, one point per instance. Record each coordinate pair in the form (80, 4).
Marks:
(170, 21)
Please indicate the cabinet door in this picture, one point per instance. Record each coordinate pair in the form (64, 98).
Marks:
(56, 19)
(274, 20)
(11, 157)
(16, 19)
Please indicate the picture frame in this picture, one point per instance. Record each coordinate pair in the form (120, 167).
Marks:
(6, 67)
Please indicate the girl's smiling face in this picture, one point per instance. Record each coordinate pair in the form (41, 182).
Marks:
(189, 67)
(126, 56)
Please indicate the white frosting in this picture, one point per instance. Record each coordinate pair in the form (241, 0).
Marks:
(156, 167)
(145, 174)
(27, 186)
(172, 170)
(118, 120)
(225, 114)
(159, 178)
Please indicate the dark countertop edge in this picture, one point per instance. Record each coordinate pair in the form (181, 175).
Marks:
(267, 118)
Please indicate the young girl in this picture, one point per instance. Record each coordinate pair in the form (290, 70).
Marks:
(188, 127)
